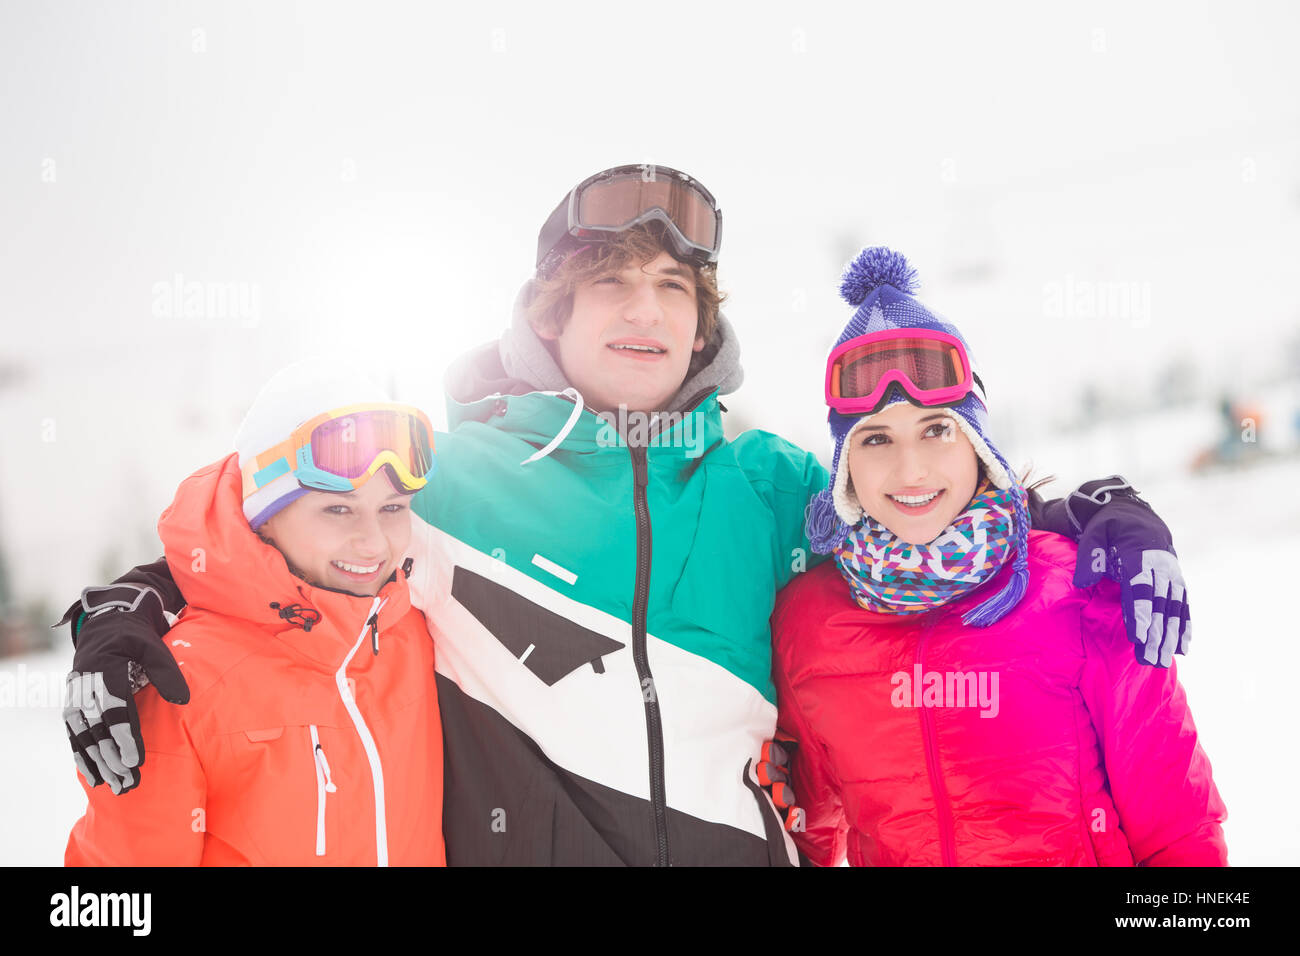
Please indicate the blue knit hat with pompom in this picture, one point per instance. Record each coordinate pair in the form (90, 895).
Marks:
(879, 283)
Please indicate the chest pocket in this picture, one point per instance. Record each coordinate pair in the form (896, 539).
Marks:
(272, 794)
(548, 644)
(261, 736)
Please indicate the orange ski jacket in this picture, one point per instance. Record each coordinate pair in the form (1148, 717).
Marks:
(312, 736)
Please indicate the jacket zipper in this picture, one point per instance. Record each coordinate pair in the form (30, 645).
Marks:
(324, 785)
(367, 741)
(640, 600)
(641, 597)
(653, 719)
(942, 804)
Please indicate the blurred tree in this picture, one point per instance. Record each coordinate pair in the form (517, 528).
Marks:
(40, 615)
(11, 373)
(1091, 404)
(9, 629)
(1178, 383)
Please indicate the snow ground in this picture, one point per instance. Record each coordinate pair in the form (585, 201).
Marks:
(36, 813)
(1235, 533)
(1240, 673)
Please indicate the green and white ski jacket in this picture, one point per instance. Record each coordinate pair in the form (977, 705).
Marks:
(601, 608)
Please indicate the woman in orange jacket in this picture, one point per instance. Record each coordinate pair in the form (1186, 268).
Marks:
(312, 735)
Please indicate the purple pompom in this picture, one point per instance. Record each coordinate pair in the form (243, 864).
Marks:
(874, 267)
(823, 525)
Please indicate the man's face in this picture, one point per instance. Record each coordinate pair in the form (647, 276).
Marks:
(349, 542)
(631, 335)
(912, 470)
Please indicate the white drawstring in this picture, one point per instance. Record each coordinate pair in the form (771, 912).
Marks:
(555, 442)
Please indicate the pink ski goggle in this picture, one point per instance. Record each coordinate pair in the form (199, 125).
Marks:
(930, 366)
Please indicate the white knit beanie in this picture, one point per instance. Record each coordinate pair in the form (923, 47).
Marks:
(293, 395)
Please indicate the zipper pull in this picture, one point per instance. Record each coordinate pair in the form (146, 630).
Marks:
(374, 634)
(325, 766)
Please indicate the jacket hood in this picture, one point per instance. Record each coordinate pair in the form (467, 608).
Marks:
(520, 362)
(222, 565)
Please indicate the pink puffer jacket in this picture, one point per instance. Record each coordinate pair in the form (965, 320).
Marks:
(1039, 740)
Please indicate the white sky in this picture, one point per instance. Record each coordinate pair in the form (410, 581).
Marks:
(376, 174)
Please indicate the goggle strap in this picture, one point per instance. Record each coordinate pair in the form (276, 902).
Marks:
(563, 222)
(269, 465)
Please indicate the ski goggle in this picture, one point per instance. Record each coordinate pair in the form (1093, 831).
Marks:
(617, 199)
(931, 367)
(340, 450)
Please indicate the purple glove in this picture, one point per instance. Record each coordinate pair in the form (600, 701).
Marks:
(1121, 538)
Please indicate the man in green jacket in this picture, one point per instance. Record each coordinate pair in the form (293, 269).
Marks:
(603, 645)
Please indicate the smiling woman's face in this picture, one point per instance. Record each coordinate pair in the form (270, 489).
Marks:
(913, 470)
(349, 542)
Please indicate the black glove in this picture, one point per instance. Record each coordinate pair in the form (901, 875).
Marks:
(118, 632)
(1122, 538)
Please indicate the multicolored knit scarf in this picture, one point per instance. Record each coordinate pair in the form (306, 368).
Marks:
(894, 577)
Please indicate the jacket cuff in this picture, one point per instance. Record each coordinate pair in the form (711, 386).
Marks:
(1082, 504)
(131, 598)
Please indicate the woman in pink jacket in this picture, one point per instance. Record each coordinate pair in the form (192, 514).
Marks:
(961, 701)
